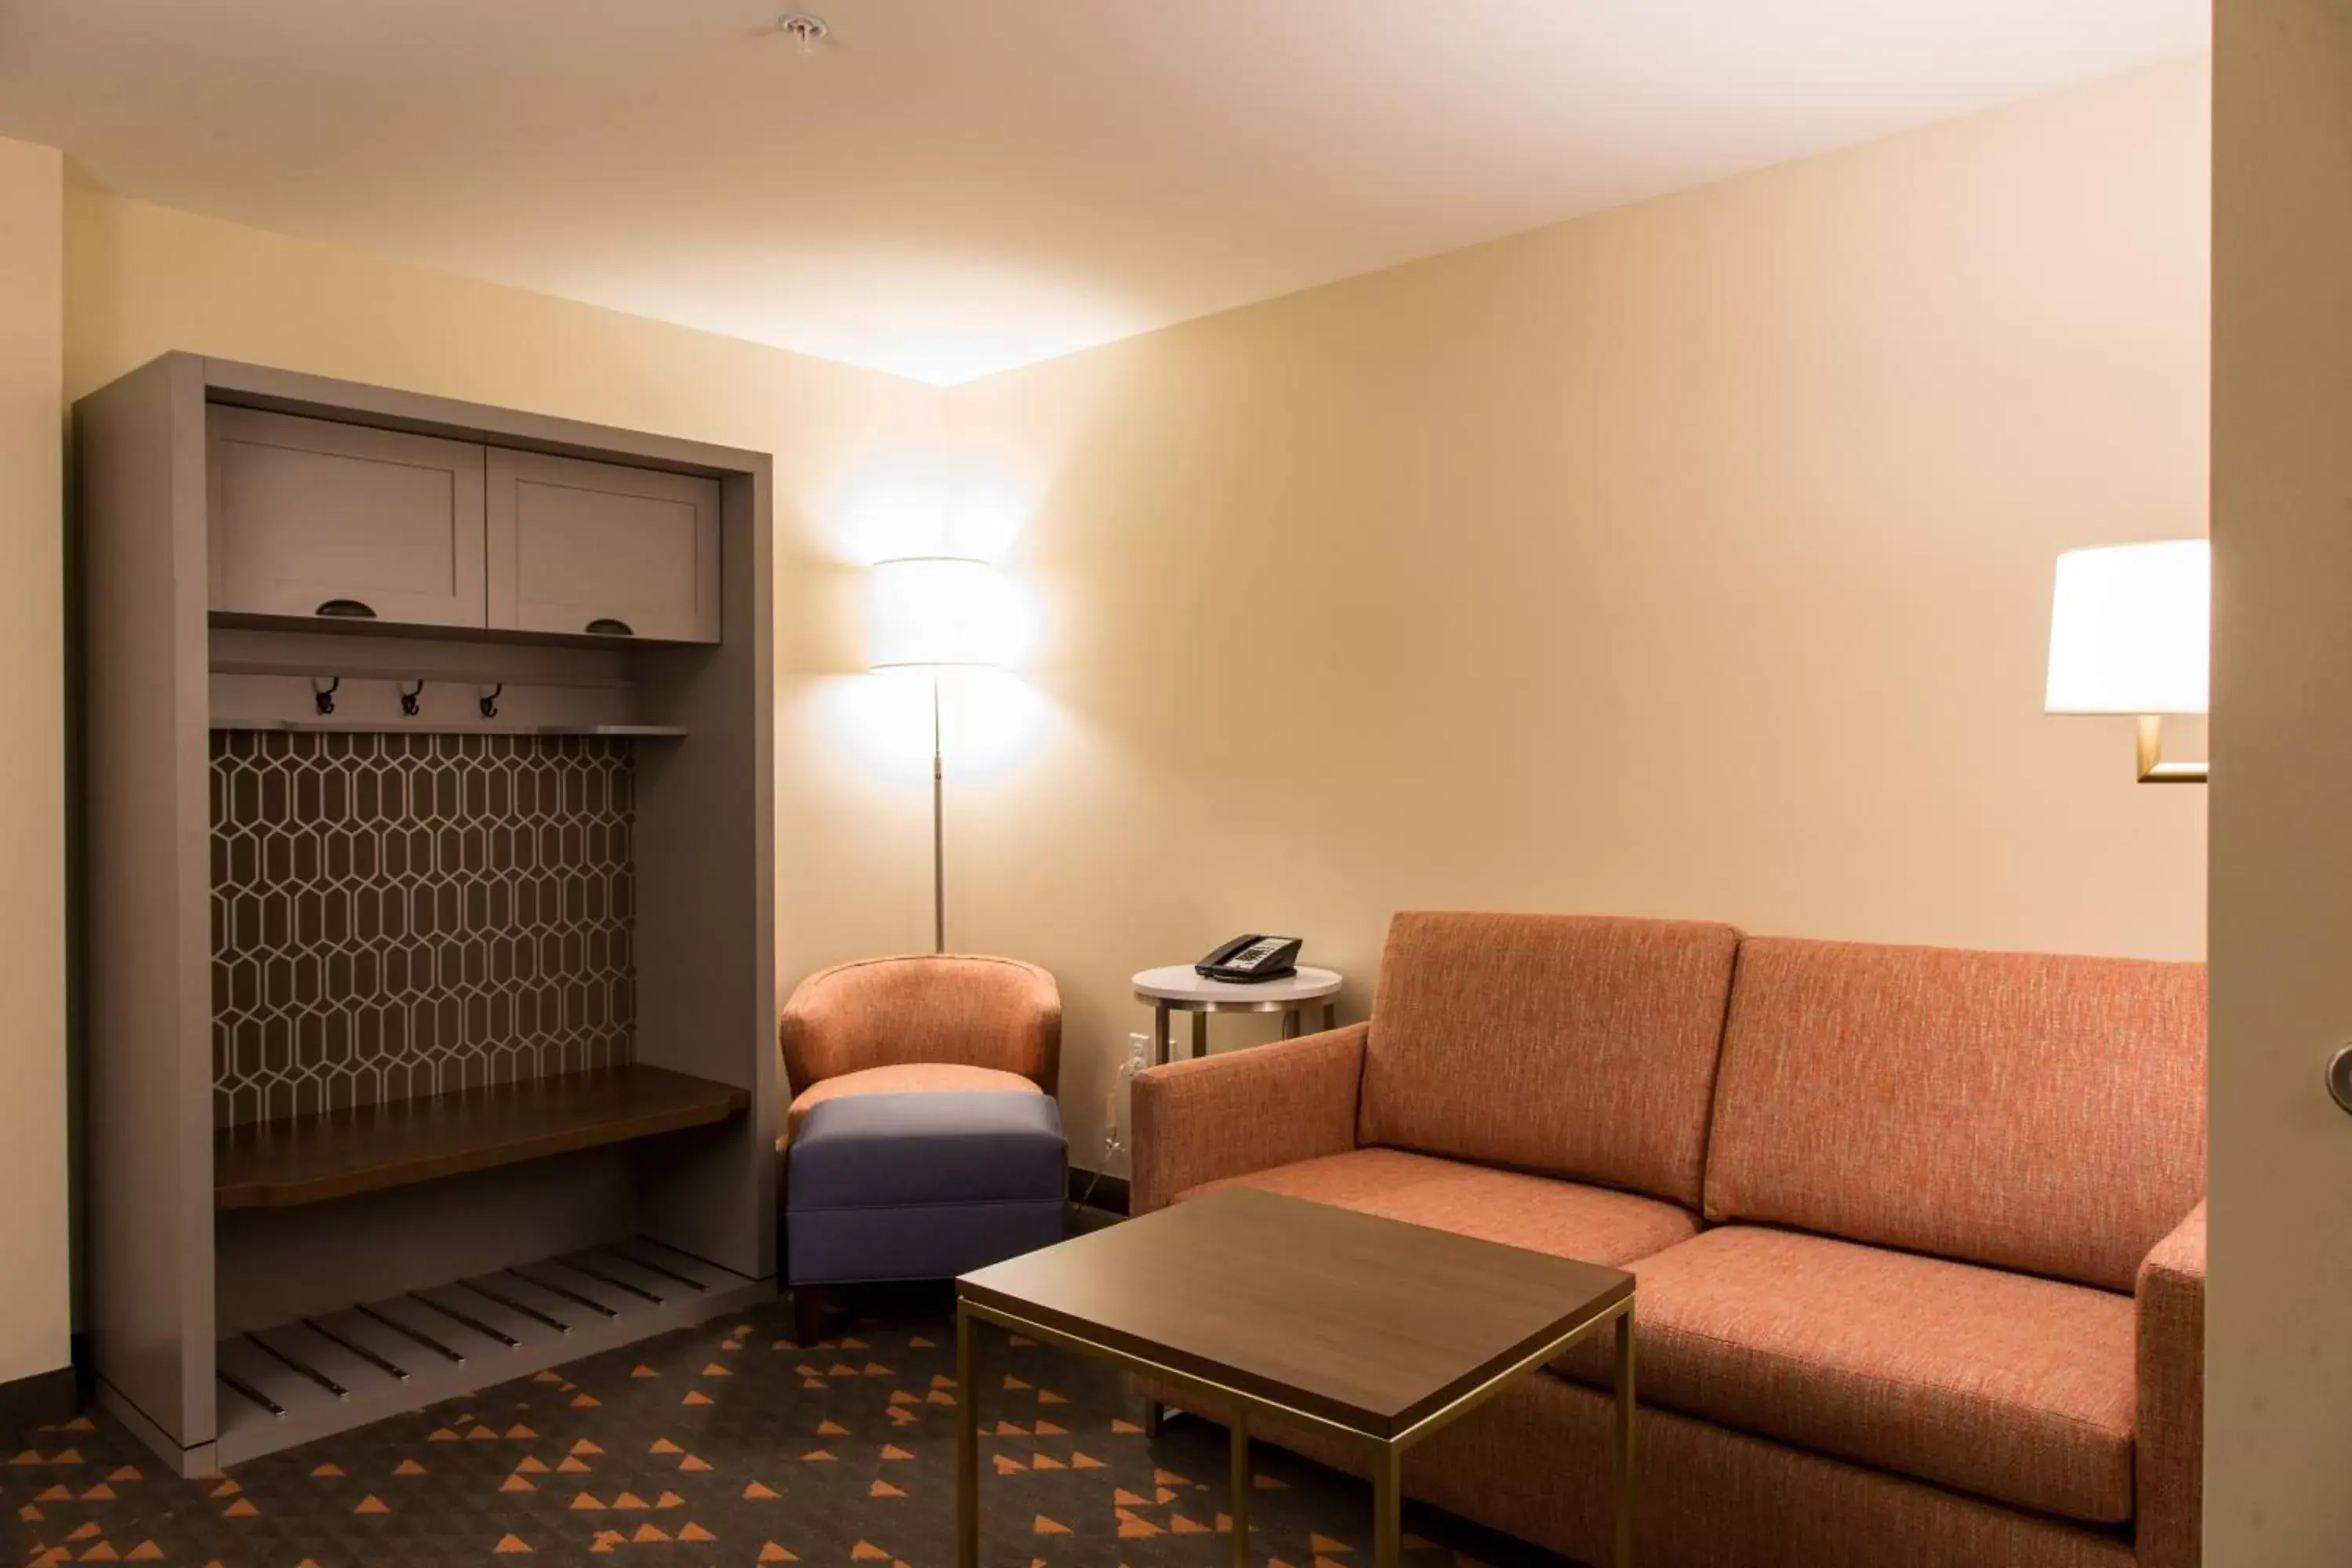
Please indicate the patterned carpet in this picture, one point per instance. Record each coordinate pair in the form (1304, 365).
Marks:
(724, 1445)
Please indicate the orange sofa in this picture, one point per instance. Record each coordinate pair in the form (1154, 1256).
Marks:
(1918, 1231)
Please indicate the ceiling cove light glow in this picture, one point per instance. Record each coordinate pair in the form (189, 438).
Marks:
(948, 189)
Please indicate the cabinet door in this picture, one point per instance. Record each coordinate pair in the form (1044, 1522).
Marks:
(599, 548)
(311, 518)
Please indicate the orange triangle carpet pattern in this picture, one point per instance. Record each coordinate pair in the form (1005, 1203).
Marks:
(724, 1444)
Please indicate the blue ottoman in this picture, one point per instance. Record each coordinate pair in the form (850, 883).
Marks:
(919, 1186)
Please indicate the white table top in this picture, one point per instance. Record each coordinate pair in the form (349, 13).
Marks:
(1177, 982)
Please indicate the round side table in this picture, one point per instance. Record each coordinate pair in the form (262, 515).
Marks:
(1176, 989)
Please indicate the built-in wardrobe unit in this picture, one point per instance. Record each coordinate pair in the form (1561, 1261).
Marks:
(424, 842)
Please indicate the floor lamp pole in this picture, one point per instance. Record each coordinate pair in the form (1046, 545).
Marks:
(938, 833)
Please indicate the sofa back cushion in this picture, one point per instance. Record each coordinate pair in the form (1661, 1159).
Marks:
(2027, 1110)
(1566, 1045)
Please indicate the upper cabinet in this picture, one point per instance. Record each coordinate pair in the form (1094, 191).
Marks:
(601, 549)
(311, 518)
(320, 520)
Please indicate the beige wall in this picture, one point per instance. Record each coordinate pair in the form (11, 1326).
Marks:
(2278, 1357)
(33, 1231)
(1693, 559)
(1689, 560)
(852, 858)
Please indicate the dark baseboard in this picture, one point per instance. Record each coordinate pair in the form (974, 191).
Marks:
(43, 1399)
(1108, 1192)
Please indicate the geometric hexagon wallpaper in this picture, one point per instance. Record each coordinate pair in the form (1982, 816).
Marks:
(396, 915)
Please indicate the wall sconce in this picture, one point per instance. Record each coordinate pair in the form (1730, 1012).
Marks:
(2130, 633)
(932, 614)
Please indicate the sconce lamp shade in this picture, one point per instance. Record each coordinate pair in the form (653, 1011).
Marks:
(934, 611)
(2130, 629)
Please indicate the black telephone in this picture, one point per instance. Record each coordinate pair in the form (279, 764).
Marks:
(1251, 958)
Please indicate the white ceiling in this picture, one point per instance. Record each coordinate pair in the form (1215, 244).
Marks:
(949, 187)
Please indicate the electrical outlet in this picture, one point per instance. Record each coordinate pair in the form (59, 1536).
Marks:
(1139, 1050)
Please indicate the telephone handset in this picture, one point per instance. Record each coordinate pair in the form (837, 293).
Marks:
(1251, 958)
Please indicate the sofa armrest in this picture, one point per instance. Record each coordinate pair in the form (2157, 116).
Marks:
(2171, 1436)
(1213, 1117)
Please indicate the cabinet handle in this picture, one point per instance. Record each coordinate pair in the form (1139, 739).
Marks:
(345, 609)
(607, 626)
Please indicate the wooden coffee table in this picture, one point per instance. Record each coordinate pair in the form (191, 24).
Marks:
(1364, 1329)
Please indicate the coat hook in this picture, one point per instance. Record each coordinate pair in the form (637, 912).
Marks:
(490, 700)
(324, 696)
(408, 703)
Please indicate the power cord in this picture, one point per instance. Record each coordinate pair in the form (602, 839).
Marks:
(1114, 1126)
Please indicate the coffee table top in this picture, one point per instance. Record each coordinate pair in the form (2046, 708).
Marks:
(1369, 1322)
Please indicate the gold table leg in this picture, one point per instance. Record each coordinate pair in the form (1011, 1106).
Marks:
(967, 1448)
(1624, 1399)
(1241, 1488)
(1387, 1454)
(1388, 1506)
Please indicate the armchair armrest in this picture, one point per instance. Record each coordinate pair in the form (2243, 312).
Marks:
(2170, 1292)
(1213, 1117)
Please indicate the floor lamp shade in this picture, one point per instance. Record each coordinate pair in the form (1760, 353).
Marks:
(933, 612)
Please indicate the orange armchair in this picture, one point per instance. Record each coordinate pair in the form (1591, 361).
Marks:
(898, 1025)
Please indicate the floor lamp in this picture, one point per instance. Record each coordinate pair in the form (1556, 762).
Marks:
(934, 614)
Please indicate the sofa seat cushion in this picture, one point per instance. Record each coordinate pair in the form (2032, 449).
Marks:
(906, 1077)
(2013, 1387)
(1567, 1219)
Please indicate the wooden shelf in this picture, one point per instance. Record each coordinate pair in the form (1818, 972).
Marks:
(371, 727)
(333, 1154)
(646, 730)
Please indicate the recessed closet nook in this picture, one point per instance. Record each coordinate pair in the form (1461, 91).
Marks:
(425, 846)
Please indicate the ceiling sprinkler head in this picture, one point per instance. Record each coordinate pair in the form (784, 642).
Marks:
(806, 31)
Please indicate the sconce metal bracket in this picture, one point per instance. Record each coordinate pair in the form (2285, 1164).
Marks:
(2152, 768)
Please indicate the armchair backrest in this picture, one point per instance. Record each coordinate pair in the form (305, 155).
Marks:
(934, 1008)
